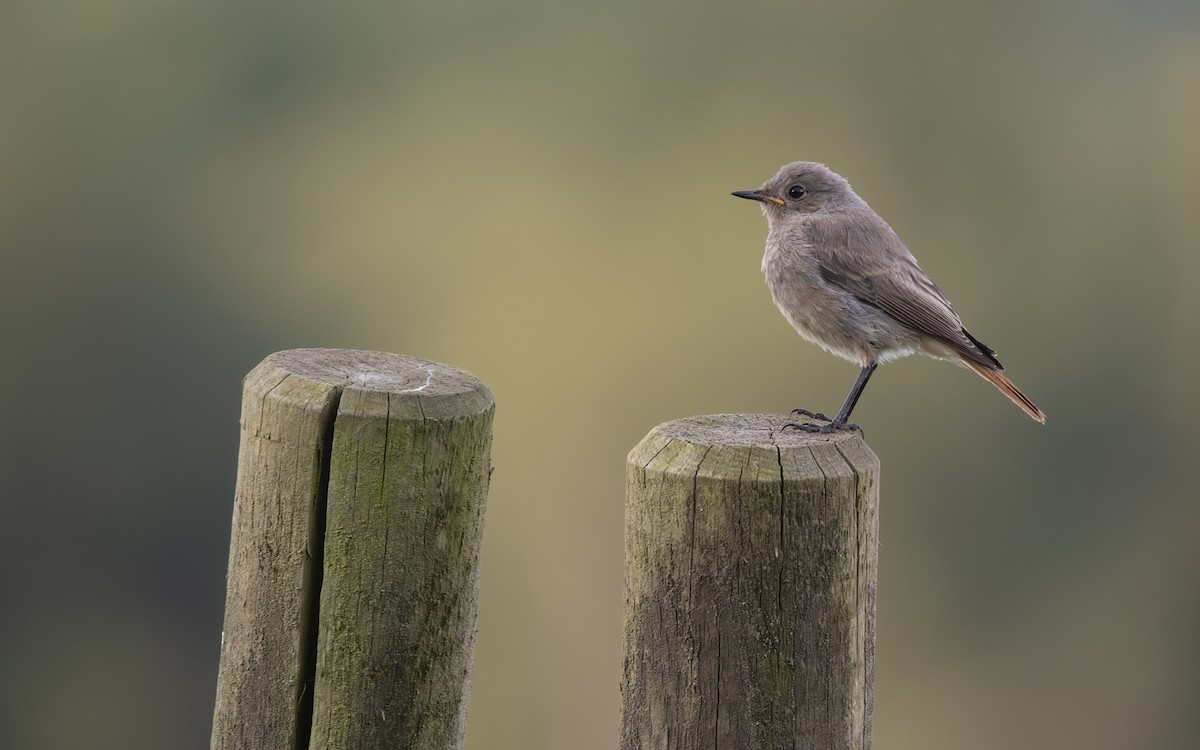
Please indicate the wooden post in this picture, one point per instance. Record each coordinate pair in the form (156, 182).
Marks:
(353, 564)
(750, 573)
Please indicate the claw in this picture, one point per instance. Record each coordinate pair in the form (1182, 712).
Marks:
(822, 429)
(811, 414)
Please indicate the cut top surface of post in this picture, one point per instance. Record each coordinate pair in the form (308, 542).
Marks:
(753, 433)
(441, 391)
(749, 430)
(379, 371)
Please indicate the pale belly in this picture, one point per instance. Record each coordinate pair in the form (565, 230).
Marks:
(835, 320)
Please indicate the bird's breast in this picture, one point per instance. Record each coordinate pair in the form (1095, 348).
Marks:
(827, 315)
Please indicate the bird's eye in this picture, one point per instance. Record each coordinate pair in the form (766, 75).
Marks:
(796, 192)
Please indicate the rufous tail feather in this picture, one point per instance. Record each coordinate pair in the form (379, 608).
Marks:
(1007, 387)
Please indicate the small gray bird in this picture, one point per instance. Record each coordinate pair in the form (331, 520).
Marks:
(846, 282)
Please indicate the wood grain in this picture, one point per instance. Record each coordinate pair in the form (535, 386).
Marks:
(353, 568)
(751, 567)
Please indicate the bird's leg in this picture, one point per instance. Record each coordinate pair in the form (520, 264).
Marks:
(855, 391)
(840, 421)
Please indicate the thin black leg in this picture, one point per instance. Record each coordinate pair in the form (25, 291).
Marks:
(855, 391)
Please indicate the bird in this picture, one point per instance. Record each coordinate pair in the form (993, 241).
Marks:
(846, 282)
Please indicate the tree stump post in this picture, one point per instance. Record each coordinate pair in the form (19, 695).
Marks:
(354, 558)
(750, 576)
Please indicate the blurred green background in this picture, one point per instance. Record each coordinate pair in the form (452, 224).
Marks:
(539, 192)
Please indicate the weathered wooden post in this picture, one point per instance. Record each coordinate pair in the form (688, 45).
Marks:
(353, 564)
(750, 573)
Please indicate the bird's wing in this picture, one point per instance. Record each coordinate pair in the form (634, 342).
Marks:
(875, 267)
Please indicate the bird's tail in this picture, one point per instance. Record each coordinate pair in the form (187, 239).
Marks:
(1007, 387)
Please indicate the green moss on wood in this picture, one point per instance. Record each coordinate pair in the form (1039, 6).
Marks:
(408, 469)
(750, 571)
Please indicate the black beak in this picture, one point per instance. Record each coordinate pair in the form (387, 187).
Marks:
(756, 195)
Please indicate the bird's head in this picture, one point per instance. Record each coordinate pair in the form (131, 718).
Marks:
(802, 187)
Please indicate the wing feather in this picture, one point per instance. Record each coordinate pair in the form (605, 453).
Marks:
(853, 261)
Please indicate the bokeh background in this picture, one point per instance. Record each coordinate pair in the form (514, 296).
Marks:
(538, 192)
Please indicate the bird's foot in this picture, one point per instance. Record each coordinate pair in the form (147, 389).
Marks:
(823, 429)
(831, 425)
(811, 414)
